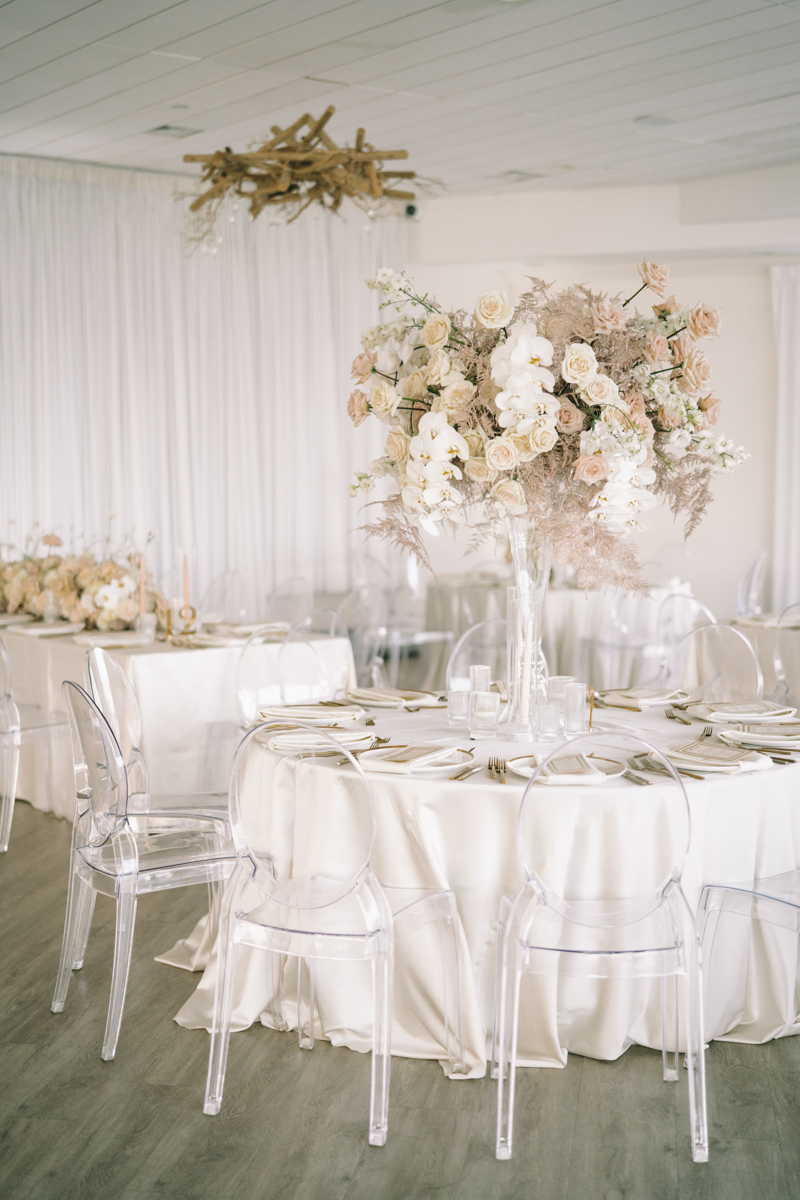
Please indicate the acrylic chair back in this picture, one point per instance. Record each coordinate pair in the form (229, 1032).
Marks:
(365, 612)
(715, 662)
(485, 644)
(786, 655)
(224, 599)
(678, 614)
(9, 713)
(750, 600)
(336, 809)
(291, 601)
(5, 672)
(306, 671)
(578, 845)
(101, 781)
(114, 695)
(256, 676)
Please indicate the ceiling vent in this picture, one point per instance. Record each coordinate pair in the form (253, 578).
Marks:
(173, 131)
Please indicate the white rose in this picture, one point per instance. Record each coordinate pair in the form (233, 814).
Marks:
(580, 364)
(454, 397)
(383, 400)
(436, 331)
(509, 493)
(475, 439)
(397, 443)
(440, 368)
(601, 390)
(501, 453)
(413, 387)
(543, 439)
(523, 444)
(493, 310)
(479, 471)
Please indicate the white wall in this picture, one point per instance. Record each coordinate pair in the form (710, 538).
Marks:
(467, 244)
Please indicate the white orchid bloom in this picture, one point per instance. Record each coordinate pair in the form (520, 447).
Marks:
(441, 496)
(532, 351)
(413, 498)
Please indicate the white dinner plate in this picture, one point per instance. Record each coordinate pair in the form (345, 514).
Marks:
(371, 761)
(596, 769)
(9, 619)
(736, 737)
(702, 711)
(60, 629)
(313, 714)
(292, 742)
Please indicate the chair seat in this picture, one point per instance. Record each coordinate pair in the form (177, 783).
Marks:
(162, 852)
(647, 946)
(34, 720)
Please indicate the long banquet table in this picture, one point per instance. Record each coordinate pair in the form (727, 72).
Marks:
(187, 701)
(462, 835)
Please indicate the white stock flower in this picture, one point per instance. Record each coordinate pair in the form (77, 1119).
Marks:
(493, 310)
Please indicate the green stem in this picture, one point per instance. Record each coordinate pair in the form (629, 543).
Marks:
(677, 331)
(635, 294)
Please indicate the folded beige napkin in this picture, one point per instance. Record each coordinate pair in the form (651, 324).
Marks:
(640, 698)
(406, 760)
(394, 698)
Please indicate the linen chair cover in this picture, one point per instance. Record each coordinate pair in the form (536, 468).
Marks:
(20, 725)
(484, 644)
(726, 917)
(116, 854)
(113, 694)
(750, 599)
(291, 601)
(714, 662)
(302, 673)
(224, 599)
(336, 910)
(559, 925)
(786, 655)
(365, 613)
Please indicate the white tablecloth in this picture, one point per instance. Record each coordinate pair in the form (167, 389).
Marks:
(435, 833)
(186, 698)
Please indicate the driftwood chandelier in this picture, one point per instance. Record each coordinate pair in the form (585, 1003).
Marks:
(294, 170)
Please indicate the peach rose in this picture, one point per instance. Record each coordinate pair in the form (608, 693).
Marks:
(501, 453)
(703, 322)
(493, 310)
(591, 468)
(656, 347)
(666, 308)
(667, 419)
(362, 366)
(636, 404)
(644, 426)
(696, 371)
(479, 471)
(52, 539)
(570, 418)
(607, 316)
(509, 493)
(436, 331)
(710, 405)
(655, 276)
(357, 411)
(680, 348)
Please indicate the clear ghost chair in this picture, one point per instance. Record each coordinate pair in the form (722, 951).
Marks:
(726, 917)
(291, 601)
(637, 924)
(224, 600)
(20, 725)
(113, 694)
(484, 644)
(257, 681)
(786, 655)
(306, 672)
(750, 599)
(337, 910)
(678, 614)
(365, 613)
(714, 662)
(122, 855)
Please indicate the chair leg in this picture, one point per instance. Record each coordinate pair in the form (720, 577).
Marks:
(495, 1064)
(306, 987)
(507, 1067)
(83, 927)
(696, 1063)
(76, 906)
(669, 1029)
(227, 953)
(451, 977)
(9, 766)
(382, 965)
(123, 947)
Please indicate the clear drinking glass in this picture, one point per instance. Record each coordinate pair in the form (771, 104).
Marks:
(484, 711)
(479, 679)
(457, 708)
(555, 689)
(575, 721)
(548, 723)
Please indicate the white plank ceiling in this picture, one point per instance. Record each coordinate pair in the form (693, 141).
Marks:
(487, 95)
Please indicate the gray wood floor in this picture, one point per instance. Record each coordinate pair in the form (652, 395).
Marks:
(293, 1124)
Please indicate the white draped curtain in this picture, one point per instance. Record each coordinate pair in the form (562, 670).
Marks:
(198, 396)
(786, 310)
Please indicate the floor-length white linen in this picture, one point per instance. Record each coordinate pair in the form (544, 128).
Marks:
(438, 833)
(786, 313)
(201, 397)
(187, 700)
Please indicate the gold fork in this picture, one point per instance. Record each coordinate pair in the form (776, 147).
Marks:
(501, 766)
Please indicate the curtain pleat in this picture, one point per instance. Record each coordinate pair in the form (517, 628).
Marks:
(786, 312)
(145, 387)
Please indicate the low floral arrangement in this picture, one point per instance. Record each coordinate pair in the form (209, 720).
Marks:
(104, 594)
(570, 408)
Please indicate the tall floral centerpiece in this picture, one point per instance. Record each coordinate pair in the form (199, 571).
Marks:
(562, 419)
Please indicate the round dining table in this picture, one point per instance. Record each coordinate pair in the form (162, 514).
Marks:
(462, 835)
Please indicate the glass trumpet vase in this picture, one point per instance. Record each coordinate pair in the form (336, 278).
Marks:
(532, 556)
